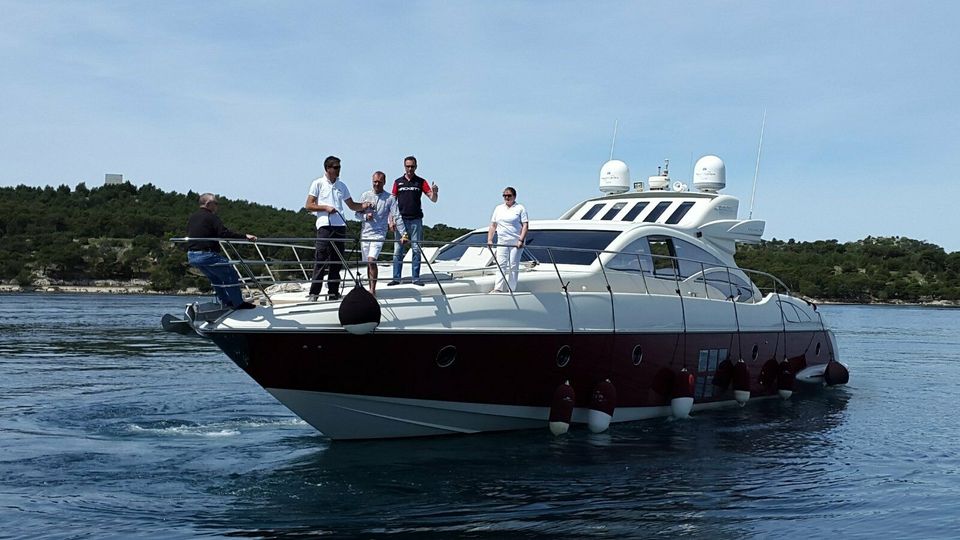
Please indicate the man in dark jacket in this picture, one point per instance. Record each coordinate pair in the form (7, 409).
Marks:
(408, 189)
(205, 254)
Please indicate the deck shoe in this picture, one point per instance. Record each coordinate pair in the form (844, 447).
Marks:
(246, 305)
(313, 298)
(392, 283)
(333, 296)
(418, 283)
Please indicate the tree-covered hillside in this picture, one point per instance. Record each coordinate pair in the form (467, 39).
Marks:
(122, 232)
(868, 270)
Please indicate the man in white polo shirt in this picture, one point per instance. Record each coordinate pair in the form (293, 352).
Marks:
(326, 199)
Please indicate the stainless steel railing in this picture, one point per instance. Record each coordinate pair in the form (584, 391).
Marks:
(269, 262)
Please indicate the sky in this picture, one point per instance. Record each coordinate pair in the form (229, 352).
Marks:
(246, 99)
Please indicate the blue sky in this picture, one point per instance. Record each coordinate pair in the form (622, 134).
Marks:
(245, 99)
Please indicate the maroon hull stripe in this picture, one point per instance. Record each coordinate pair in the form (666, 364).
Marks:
(511, 369)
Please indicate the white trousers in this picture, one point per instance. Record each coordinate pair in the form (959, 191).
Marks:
(508, 258)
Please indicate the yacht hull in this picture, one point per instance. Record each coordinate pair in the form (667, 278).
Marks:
(401, 384)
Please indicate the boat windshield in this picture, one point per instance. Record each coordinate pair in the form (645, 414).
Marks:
(565, 246)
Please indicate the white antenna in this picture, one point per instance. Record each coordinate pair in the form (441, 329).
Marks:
(614, 143)
(756, 171)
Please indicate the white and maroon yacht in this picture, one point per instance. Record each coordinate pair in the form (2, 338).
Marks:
(628, 306)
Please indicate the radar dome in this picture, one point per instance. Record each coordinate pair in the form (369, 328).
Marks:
(709, 174)
(614, 177)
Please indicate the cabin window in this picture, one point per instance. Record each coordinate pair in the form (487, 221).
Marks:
(691, 258)
(613, 211)
(732, 283)
(792, 314)
(633, 258)
(669, 257)
(593, 211)
(657, 211)
(679, 213)
(456, 249)
(635, 211)
(566, 246)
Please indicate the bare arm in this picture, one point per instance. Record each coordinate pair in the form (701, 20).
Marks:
(490, 231)
(355, 206)
(523, 234)
(432, 194)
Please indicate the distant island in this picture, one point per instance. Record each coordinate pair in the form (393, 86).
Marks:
(115, 238)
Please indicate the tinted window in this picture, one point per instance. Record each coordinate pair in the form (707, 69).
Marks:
(455, 250)
(657, 211)
(730, 283)
(635, 257)
(538, 241)
(593, 211)
(663, 262)
(635, 211)
(613, 211)
(679, 213)
(691, 258)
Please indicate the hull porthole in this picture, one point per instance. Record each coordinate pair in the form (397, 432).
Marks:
(447, 356)
(637, 355)
(563, 356)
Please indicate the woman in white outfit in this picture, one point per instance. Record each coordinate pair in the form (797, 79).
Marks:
(509, 222)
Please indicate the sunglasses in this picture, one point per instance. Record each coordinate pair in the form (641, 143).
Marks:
(507, 195)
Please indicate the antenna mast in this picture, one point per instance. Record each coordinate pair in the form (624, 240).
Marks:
(756, 171)
(614, 143)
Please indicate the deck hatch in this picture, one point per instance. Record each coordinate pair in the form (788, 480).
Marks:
(593, 211)
(635, 211)
(613, 211)
(657, 211)
(679, 213)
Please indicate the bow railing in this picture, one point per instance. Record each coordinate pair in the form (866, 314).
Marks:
(270, 266)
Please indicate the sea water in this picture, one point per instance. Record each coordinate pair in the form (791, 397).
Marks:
(112, 428)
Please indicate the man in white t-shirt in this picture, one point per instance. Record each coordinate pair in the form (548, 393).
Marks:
(380, 216)
(326, 199)
(509, 222)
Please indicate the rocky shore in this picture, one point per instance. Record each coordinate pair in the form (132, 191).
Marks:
(136, 286)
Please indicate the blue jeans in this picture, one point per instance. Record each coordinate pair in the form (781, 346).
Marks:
(415, 231)
(222, 276)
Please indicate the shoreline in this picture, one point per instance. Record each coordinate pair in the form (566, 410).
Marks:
(137, 289)
(142, 289)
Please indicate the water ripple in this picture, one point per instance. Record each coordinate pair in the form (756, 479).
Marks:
(110, 427)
